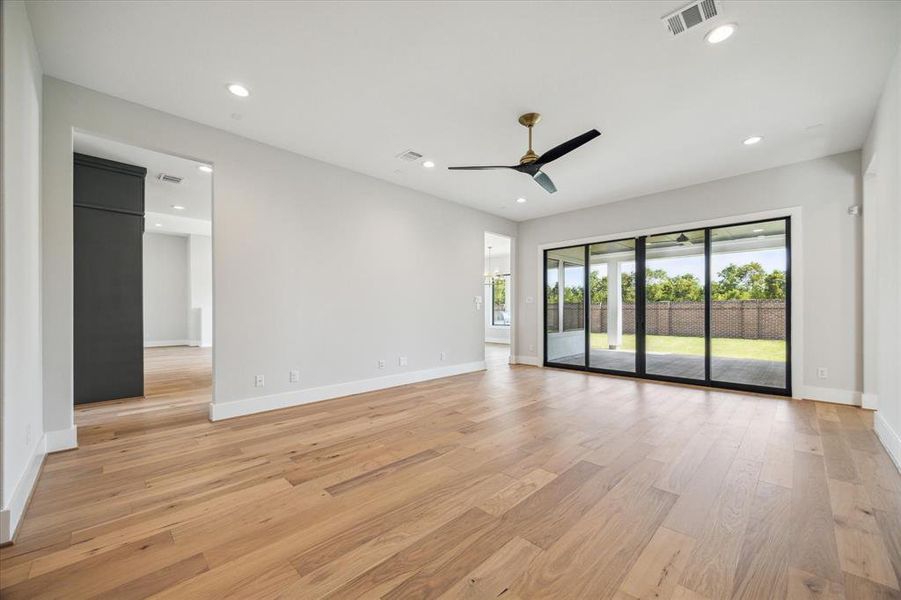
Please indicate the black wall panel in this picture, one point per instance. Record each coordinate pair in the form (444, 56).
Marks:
(109, 226)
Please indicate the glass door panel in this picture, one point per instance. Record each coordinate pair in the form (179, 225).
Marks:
(674, 305)
(611, 285)
(565, 306)
(749, 311)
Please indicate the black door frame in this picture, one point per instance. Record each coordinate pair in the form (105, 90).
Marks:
(640, 313)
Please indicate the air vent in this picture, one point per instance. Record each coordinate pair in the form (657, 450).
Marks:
(164, 178)
(688, 16)
(409, 156)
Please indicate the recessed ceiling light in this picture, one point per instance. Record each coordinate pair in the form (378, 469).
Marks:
(758, 230)
(754, 139)
(157, 224)
(178, 207)
(428, 164)
(238, 90)
(520, 200)
(721, 33)
(205, 168)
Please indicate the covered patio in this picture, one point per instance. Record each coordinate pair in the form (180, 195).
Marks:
(766, 373)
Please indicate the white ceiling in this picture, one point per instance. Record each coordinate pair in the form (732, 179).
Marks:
(355, 83)
(194, 193)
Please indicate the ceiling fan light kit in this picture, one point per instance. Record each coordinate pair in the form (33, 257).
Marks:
(531, 163)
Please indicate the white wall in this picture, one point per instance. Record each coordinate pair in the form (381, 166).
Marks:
(881, 162)
(23, 443)
(166, 294)
(200, 302)
(830, 252)
(316, 268)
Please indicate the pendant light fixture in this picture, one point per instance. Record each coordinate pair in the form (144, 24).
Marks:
(489, 277)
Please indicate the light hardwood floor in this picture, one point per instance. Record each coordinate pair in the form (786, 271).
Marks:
(512, 483)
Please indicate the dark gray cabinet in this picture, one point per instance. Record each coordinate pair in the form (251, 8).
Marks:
(109, 329)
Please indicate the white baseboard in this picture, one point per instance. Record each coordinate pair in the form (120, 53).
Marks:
(162, 343)
(869, 401)
(11, 515)
(836, 396)
(249, 406)
(62, 439)
(890, 438)
(527, 360)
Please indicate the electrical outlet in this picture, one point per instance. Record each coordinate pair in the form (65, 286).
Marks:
(822, 372)
(381, 364)
(530, 300)
(259, 381)
(444, 356)
(531, 347)
(402, 361)
(293, 376)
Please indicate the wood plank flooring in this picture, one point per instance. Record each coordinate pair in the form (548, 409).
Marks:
(512, 483)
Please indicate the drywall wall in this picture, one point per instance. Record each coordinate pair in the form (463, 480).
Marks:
(316, 268)
(166, 293)
(827, 238)
(23, 441)
(200, 302)
(881, 163)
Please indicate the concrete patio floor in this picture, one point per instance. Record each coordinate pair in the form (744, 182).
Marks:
(747, 371)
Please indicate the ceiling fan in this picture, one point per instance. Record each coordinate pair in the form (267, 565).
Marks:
(531, 163)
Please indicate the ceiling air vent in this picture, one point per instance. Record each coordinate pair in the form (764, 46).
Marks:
(688, 16)
(409, 156)
(164, 178)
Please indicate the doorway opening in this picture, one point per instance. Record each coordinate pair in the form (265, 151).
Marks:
(498, 285)
(143, 280)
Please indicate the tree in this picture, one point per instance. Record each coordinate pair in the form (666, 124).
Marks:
(660, 287)
(499, 293)
(656, 285)
(774, 284)
(739, 282)
(747, 281)
(597, 287)
(551, 294)
(573, 295)
(629, 288)
(685, 288)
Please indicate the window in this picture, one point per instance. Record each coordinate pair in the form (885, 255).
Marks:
(500, 308)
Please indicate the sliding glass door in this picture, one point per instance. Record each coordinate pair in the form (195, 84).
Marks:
(611, 286)
(565, 306)
(674, 305)
(749, 316)
(709, 305)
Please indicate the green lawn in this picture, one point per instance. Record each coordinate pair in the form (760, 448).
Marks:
(724, 347)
